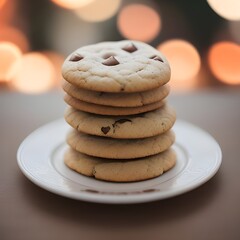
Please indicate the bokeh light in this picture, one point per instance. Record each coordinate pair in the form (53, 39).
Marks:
(7, 11)
(97, 11)
(57, 61)
(10, 61)
(224, 62)
(139, 22)
(2, 2)
(11, 34)
(185, 63)
(228, 9)
(36, 74)
(71, 4)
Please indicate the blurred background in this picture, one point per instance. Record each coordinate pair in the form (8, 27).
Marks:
(200, 38)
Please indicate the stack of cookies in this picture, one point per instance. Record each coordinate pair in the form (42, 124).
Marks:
(116, 92)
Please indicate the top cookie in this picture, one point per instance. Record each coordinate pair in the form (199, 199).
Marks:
(124, 66)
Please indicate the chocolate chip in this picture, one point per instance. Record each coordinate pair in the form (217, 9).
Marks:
(108, 55)
(105, 130)
(111, 61)
(123, 121)
(130, 48)
(157, 58)
(120, 121)
(75, 58)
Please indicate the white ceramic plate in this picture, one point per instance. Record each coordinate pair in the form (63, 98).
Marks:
(40, 157)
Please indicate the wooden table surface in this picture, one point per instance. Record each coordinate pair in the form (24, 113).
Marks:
(211, 211)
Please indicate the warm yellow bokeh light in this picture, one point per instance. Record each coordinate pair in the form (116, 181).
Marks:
(139, 22)
(229, 9)
(36, 74)
(224, 62)
(98, 11)
(184, 61)
(72, 4)
(10, 61)
(11, 34)
(57, 61)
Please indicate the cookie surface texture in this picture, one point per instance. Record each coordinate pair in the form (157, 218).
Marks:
(117, 99)
(119, 148)
(108, 110)
(127, 127)
(120, 171)
(124, 66)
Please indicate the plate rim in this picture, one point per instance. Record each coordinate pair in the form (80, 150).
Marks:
(118, 199)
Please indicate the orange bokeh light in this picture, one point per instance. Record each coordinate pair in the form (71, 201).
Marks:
(7, 11)
(98, 11)
(2, 2)
(184, 61)
(72, 4)
(139, 22)
(57, 61)
(15, 36)
(36, 74)
(10, 61)
(224, 62)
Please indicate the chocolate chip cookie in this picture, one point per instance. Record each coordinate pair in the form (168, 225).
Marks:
(124, 66)
(127, 127)
(117, 99)
(120, 170)
(108, 110)
(119, 148)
